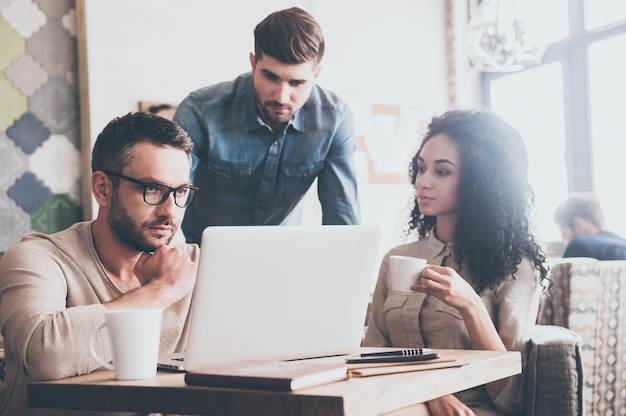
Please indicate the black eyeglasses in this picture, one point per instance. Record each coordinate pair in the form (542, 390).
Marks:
(155, 193)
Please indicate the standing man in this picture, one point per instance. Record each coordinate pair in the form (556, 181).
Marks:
(262, 139)
(55, 289)
(581, 220)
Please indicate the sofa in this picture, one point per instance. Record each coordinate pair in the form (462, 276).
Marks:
(588, 297)
(554, 373)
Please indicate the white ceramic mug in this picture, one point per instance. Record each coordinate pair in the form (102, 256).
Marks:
(405, 271)
(134, 336)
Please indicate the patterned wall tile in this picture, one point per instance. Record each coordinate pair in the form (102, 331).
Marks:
(52, 46)
(68, 21)
(60, 176)
(13, 103)
(28, 132)
(12, 44)
(55, 9)
(38, 59)
(15, 222)
(73, 130)
(29, 192)
(26, 74)
(58, 213)
(4, 3)
(76, 191)
(13, 162)
(56, 104)
(24, 16)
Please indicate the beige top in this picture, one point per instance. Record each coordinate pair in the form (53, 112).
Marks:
(51, 292)
(419, 320)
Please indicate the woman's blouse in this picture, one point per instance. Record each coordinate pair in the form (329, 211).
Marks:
(419, 320)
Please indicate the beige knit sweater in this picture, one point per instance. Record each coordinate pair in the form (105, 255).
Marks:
(51, 292)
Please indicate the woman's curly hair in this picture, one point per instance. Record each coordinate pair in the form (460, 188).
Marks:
(495, 201)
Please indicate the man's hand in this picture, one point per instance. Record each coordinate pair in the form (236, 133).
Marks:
(168, 268)
(166, 276)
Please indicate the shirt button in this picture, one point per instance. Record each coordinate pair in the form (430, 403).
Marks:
(268, 178)
(276, 143)
(229, 174)
(304, 175)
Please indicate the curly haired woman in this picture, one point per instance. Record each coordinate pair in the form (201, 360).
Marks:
(472, 214)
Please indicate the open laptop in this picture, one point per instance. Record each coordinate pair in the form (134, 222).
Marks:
(279, 293)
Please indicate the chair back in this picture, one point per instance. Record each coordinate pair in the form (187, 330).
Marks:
(589, 297)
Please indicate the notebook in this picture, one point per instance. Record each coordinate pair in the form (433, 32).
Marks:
(279, 293)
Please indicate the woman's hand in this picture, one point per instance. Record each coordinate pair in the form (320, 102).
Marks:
(448, 406)
(445, 284)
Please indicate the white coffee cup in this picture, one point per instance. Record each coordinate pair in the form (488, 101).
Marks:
(405, 271)
(134, 336)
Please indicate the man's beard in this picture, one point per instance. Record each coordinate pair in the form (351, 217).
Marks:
(270, 118)
(126, 232)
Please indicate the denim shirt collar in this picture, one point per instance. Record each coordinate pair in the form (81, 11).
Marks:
(297, 121)
(253, 120)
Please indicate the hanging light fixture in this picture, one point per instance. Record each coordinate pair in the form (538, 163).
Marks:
(497, 39)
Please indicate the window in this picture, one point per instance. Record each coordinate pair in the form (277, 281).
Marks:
(532, 101)
(568, 108)
(607, 89)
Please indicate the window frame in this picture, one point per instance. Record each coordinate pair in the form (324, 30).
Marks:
(572, 54)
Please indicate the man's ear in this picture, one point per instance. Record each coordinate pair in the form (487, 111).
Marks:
(101, 187)
(252, 61)
(318, 70)
(581, 227)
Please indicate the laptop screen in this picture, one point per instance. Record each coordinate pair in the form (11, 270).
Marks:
(280, 292)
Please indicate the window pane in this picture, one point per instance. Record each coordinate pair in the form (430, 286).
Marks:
(546, 21)
(532, 101)
(600, 13)
(607, 90)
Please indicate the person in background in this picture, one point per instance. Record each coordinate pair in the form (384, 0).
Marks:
(481, 288)
(581, 220)
(263, 138)
(55, 289)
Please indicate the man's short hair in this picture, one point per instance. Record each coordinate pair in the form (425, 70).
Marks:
(292, 36)
(584, 205)
(113, 150)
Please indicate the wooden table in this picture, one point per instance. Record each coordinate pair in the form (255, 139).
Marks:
(168, 393)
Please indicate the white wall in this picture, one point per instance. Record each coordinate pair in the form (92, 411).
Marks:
(162, 49)
(378, 52)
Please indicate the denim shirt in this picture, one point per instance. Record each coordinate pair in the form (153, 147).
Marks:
(249, 175)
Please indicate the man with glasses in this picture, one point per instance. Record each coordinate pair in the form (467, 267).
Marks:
(55, 289)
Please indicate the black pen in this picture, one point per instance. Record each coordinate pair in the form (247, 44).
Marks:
(399, 353)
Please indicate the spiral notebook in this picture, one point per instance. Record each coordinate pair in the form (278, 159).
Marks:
(279, 293)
